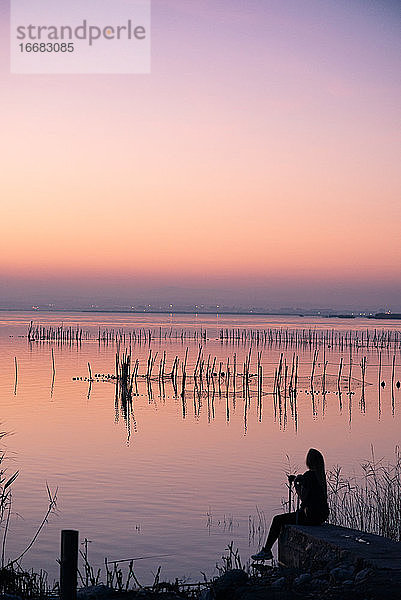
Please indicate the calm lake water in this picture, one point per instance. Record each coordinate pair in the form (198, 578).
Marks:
(180, 477)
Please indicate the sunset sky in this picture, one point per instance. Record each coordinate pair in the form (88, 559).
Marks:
(258, 163)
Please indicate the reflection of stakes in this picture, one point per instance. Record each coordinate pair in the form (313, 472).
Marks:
(314, 411)
(340, 368)
(228, 390)
(380, 374)
(184, 405)
(260, 386)
(213, 367)
(291, 384)
(174, 375)
(275, 394)
(54, 375)
(350, 370)
(324, 368)
(135, 375)
(350, 408)
(285, 380)
(160, 384)
(53, 365)
(198, 361)
(392, 386)
(184, 374)
(212, 401)
(363, 370)
(315, 355)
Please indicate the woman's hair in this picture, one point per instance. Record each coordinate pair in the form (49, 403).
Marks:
(315, 462)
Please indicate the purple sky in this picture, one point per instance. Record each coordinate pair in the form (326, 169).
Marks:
(258, 164)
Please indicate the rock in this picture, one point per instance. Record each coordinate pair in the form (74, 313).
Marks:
(318, 584)
(302, 579)
(95, 591)
(362, 575)
(255, 592)
(279, 583)
(224, 585)
(330, 564)
(342, 573)
(321, 575)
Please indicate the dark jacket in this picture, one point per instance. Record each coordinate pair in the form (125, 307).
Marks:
(313, 497)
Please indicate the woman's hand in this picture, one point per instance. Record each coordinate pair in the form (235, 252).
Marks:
(298, 482)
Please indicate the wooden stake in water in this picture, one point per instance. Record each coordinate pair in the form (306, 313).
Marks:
(363, 369)
(69, 565)
(16, 375)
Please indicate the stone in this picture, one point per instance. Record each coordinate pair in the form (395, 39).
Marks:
(279, 583)
(341, 573)
(321, 574)
(318, 584)
(302, 579)
(227, 582)
(94, 591)
(362, 575)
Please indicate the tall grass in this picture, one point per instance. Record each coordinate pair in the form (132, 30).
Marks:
(370, 500)
(14, 579)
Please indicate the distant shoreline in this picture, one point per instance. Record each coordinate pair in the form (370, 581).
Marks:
(378, 316)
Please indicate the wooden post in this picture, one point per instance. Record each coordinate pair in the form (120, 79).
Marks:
(69, 564)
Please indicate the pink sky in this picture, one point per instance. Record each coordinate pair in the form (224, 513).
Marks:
(260, 158)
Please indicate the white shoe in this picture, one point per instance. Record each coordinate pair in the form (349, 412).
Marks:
(262, 555)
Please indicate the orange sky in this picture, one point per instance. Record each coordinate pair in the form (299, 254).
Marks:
(265, 144)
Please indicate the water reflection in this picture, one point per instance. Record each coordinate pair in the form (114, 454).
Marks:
(204, 426)
(202, 381)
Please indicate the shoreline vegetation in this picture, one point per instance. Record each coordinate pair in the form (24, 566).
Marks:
(369, 501)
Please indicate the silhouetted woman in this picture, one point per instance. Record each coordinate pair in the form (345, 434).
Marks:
(311, 488)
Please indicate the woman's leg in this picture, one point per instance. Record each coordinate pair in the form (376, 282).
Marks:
(277, 524)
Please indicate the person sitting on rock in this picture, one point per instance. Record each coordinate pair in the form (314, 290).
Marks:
(311, 488)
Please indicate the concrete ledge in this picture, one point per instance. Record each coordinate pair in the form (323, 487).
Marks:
(312, 548)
